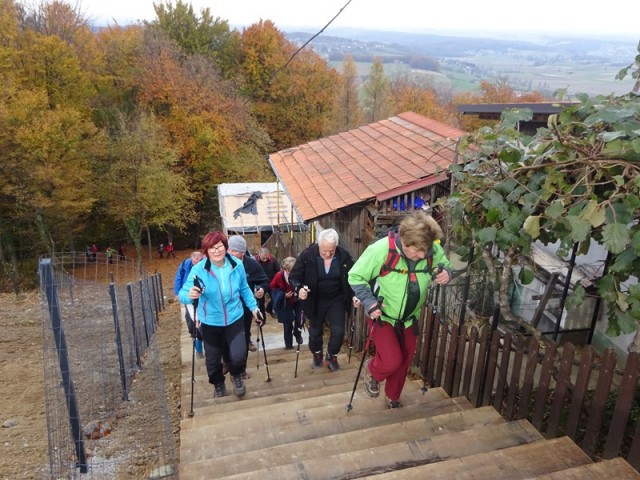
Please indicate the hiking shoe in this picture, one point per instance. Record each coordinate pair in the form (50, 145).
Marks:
(219, 390)
(393, 403)
(371, 385)
(238, 385)
(251, 347)
(298, 335)
(317, 360)
(331, 362)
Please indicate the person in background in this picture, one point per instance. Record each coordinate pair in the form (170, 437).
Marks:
(170, 250)
(256, 278)
(161, 250)
(395, 302)
(221, 290)
(94, 252)
(109, 252)
(319, 278)
(122, 252)
(286, 305)
(270, 266)
(181, 277)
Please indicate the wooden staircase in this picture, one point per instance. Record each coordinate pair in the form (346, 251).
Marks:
(299, 428)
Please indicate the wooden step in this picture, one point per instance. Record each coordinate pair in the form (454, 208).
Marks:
(306, 450)
(521, 462)
(614, 469)
(392, 456)
(297, 426)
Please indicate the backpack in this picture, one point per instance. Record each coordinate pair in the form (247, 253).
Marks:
(393, 257)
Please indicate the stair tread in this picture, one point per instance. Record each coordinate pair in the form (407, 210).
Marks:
(513, 463)
(371, 437)
(616, 468)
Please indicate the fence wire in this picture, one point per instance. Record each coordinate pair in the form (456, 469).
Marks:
(107, 413)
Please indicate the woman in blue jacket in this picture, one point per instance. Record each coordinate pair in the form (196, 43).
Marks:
(221, 285)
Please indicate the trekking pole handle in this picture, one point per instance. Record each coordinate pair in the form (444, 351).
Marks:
(197, 283)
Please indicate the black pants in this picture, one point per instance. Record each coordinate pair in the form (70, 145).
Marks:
(333, 312)
(215, 339)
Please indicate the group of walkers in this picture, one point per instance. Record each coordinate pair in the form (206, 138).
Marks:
(224, 288)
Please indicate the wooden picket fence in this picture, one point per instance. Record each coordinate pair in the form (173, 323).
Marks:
(562, 391)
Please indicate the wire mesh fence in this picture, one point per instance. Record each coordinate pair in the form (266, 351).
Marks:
(107, 413)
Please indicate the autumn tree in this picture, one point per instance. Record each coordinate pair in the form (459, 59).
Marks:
(347, 113)
(291, 97)
(573, 183)
(376, 100)
(139, 186)
(407, 94)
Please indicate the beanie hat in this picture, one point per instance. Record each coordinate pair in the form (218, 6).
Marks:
(237, 243)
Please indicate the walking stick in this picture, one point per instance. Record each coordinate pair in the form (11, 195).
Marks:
(264, 351)
(198, 285)
(364, 355)
(299, 329)
(353, 329)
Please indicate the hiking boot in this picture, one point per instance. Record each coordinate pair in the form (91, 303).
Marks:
(219, 390)
(393, 403)
(298, 335)
(238, 385)
(371, 385)
(251, 347)
(331, 362)
(317, 360)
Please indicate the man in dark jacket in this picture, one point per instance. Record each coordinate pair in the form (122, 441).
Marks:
(320, 279)
(256, 278)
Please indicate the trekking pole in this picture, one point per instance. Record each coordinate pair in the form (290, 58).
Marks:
(434, 312)
(352, 332)
(299, 329)
(198, 285)
(364, 355)
(264, 352)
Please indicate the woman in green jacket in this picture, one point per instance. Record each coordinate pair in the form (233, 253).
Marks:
(391, 279)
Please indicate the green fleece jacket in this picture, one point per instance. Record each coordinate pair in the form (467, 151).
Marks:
(365, 279)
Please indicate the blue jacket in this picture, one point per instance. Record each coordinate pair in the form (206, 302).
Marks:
(224, 291)
(181, 275)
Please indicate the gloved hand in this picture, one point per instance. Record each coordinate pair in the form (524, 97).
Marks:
(258, 318)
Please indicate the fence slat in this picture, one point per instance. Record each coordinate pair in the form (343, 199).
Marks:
(543, 385)
(457, 377)
(527, 384)
(503, 371)
(433, 349)
(596, 412)
(470, 362)
(487, 387)
(580, 391)
(481, 360)
(562, 388)
(633, 457)
(626, 394)
(451, 355)
(515, 378)
(442, 348)
(427, 335)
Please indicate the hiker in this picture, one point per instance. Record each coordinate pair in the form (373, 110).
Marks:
(319, 278)
(257, 279)
(181, 277)
(170, 250)
(109, 251)
(401, 266)
(122, 252)
(220, 310)
(94, 252)
(285, 304)
(270, 266)
(161, 249)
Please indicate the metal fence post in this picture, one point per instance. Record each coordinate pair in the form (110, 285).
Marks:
(116, 323)
(144, 312)
(133, 323)
(47, 278)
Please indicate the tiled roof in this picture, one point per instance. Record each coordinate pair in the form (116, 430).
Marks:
(361, 164)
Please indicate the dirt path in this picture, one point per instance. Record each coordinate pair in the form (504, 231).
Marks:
(23, 426)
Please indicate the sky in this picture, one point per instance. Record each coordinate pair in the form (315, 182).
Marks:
(615, 17)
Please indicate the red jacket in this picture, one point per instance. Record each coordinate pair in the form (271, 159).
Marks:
(280, 282)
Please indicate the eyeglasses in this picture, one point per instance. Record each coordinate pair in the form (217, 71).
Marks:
(217, 248)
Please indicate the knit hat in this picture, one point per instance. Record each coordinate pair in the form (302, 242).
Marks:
(237, 243)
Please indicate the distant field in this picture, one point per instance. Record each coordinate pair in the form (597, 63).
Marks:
(591, 78)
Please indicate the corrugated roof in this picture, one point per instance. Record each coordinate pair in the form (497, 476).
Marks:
(361, 164)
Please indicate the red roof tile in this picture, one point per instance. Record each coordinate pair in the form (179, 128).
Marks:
(364, 163)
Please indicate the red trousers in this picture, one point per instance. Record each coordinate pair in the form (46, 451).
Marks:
(392, 359)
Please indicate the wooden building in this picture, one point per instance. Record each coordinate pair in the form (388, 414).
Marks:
(363, 181)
